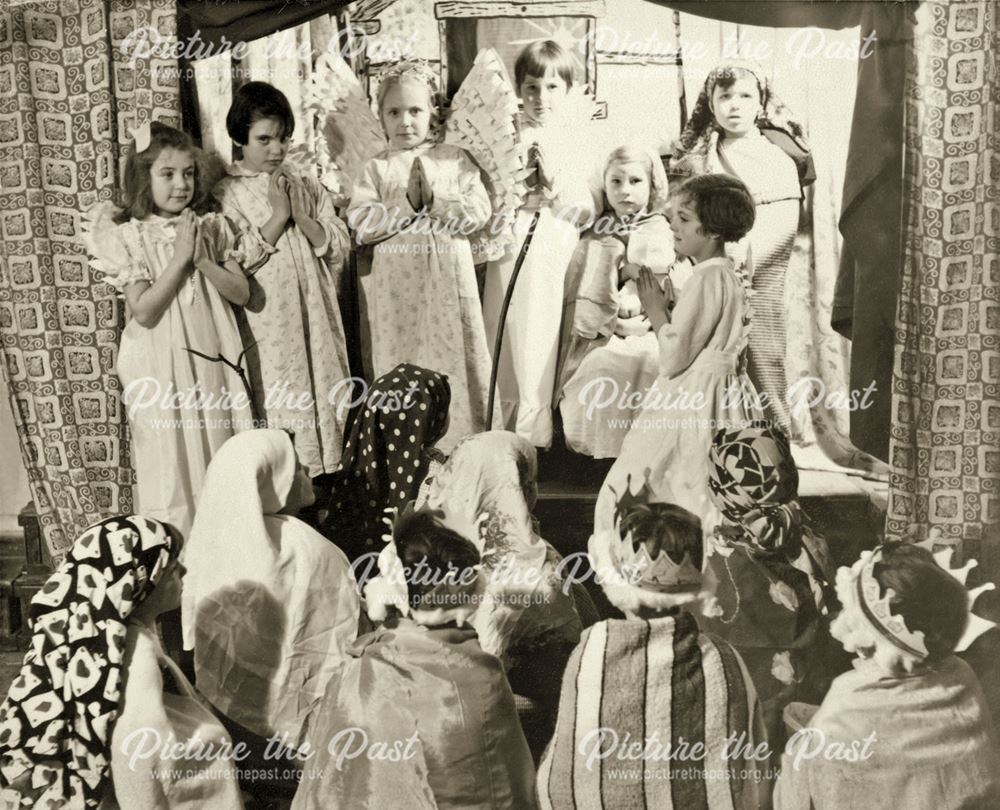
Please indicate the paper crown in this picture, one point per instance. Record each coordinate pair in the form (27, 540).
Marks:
(893, 628)
(660, 574)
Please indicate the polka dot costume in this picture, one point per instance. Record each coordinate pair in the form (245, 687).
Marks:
(385, 458)
(56, 723)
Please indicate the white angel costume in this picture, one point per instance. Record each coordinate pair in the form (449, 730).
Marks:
(420, 303)
(269, 605)
(164, 385)
(526, 377)
(294, 319)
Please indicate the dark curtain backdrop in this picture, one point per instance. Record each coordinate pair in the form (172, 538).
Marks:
(244, 20)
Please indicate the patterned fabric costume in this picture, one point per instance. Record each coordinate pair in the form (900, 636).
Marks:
(57, 720)
(773, 177)
(419, 301)
(767, 570)
(494, 474)
(293, 318)
(387, 455)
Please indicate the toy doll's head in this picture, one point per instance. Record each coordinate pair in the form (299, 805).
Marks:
(650, 563)
(634, 181)
(407, 105)
(428, 570)
(543, 75)
(260, 120)
(163, 175)
(754, 482)
(900, 608)
(710, 210)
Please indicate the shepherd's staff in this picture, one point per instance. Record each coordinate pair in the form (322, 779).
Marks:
(238, 368)
(503, 316)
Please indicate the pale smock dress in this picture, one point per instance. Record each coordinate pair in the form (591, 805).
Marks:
(299, 362)
(526, 378)
(173, 445)
(700, 389)
(419, 300)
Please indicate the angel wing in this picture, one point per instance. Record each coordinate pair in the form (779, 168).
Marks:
(482, 122)
(107, 255)
(347, 132)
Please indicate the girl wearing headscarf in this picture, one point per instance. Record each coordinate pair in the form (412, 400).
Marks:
(269, 605)
(740, 127)
(390, 447)
(771, 575)
(607, 343)
(95, 673)
(489, 484)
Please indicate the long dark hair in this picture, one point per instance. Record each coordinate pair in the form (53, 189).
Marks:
(137, 185)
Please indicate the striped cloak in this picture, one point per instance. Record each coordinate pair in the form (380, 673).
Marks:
(655, 685)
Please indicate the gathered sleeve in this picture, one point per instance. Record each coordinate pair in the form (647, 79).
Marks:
(694, 320)
(375, 216)
(462, 199)
(250, 250)
(114, 248)
(335, 248)
(225, 242)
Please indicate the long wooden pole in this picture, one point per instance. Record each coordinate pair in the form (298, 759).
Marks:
(498, 343)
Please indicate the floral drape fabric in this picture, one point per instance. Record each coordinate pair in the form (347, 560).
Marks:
(69, 93)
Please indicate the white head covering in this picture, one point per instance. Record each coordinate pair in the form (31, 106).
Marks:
(269, 605)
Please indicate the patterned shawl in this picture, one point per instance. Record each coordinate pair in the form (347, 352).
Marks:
(494, 474)
(384, 461)
(56, 723)
(691, 151)
(754, 482)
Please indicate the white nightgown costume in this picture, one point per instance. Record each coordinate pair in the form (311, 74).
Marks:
(173, 439)
(526, 378)
(700, 389)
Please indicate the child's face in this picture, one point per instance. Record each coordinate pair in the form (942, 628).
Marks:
(736, 107)
(173, 180)
(542, 96)
(406, 114)
(627, 188)
(690, 238)
(266, 145)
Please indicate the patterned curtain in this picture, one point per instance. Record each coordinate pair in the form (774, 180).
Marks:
(945, 447)
(68, 95)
